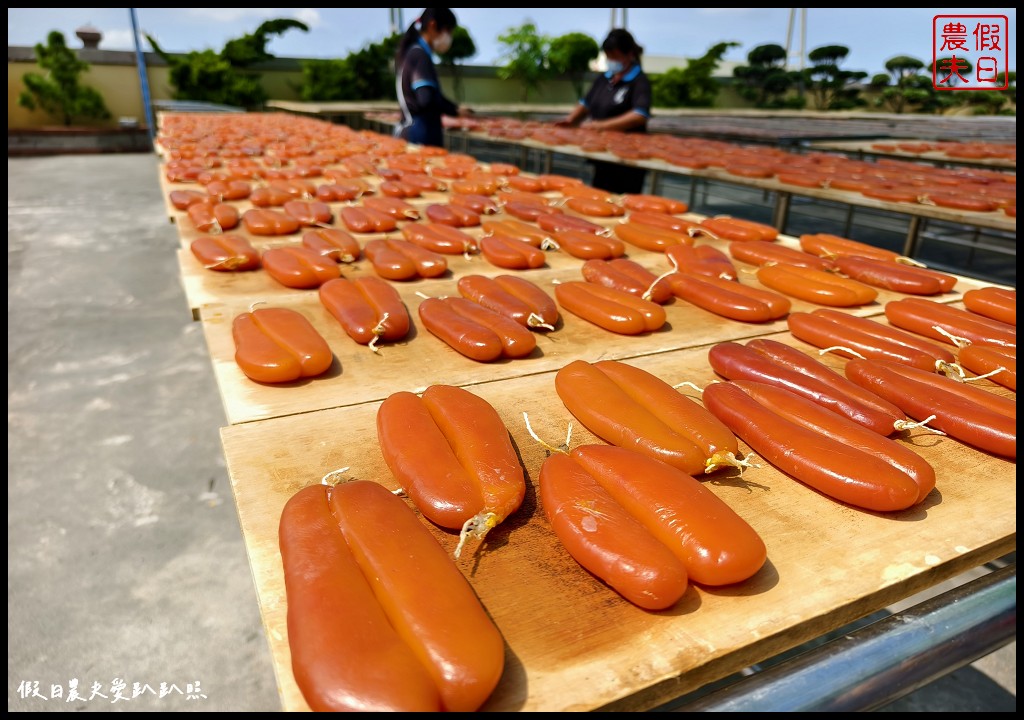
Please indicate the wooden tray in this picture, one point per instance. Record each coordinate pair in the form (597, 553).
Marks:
(995, 220)
(574, 644)
(359, 375)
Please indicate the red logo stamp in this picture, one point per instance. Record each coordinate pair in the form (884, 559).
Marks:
(970, 52)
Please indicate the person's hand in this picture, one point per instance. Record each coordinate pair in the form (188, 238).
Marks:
(466, 112)
(563, 122)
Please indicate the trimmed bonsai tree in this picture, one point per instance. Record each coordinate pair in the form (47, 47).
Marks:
(59, 92)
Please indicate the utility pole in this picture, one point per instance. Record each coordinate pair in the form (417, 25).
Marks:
(803, 37)
(140, 61)
(789, 35)
(395, 20)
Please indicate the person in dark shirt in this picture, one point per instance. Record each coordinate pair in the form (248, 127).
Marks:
(416, 84)
(620, 99)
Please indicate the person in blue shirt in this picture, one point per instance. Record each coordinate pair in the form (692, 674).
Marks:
(419, 92)
(620, 99)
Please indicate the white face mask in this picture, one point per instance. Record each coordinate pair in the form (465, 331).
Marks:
(442, 43)
(615, 67)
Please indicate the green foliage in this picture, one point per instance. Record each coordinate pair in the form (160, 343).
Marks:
(525, 59)
(222, 78)
(770, 55)
(832, 87)
(905, 88)
(462, 48)
(693, 85)
(327, 81)
(902, 68)
(1010, 93)
(570, 54)
(765, 81)
(994, 102)
(366, 74)
(252, 48)
(926, 99)
(59, 91)
(986, 102)
(902, 88)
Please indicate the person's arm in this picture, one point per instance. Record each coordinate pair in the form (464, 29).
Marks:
(575, 117)
(626, 121)
(426, 87)
(429, 97)
(579, 113)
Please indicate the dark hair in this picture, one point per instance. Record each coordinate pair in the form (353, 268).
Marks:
(620, 40)
(444, 17)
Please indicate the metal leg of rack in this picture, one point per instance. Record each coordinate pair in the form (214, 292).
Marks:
(973, 246)
(781, 215)
(848, 225)
(913, 236)
(655, 182)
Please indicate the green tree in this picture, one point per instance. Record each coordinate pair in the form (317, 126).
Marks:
(993, 102)
(525, 56)
(365, 74)
(832, 87)
(899, 89)
(765, 81)
(59, 92)
(224, 77)
(986, 102)
(570, 54)
(944, 73)
(327, 81)
(693, 85)
(1010, 93)
(462, 48)
(252, 47)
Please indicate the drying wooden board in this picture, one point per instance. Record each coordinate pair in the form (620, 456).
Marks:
(203, 287)
(574, 644)
(996, 220)
(180, 217)
(358, 375)
(867, 147)
(188, 232)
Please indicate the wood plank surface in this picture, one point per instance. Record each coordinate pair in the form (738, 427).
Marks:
(867, 147)
(358, 375)
(574, 644)
(204, 287)
(996, 220)
(571, 642)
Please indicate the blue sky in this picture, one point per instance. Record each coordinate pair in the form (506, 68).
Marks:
(873, 36)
